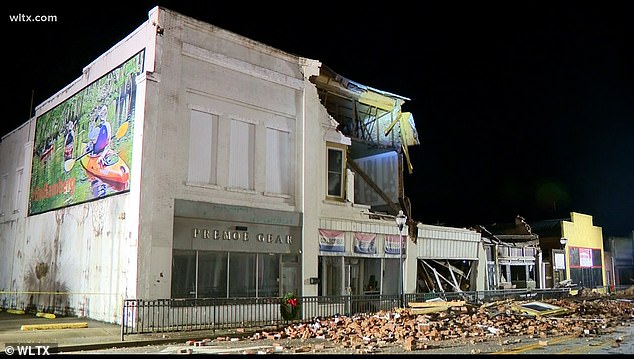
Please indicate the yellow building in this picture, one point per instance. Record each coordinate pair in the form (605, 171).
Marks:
(584, 251)
(571, 249)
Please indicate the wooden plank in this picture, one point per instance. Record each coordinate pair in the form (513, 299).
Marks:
(428, 310)
(455, 303)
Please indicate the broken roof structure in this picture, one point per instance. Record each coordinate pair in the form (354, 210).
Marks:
(366, 114)
(518, 233)
(512, 251)
(376, 124)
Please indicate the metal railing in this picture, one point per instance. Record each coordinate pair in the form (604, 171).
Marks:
(171, 315)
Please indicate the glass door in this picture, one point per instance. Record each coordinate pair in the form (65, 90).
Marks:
(290, 275)
(352, 284)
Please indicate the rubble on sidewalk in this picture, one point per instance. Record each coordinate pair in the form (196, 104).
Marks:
(414, 330)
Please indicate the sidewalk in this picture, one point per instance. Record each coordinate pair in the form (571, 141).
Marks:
(69, 334)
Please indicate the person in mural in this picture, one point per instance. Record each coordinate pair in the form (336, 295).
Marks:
(69, 142)
(99, 136)
(47, 149)
(103, 164)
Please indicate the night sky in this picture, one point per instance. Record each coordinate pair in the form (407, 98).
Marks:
(522, 108)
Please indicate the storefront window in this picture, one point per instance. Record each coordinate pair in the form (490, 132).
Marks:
(242, 274)
(290, 274)
(212, 274)
(184, 274)
(372, 275)
(390, 276)
(204, 274)
(586, 267)
(268, 275)
(330, 272)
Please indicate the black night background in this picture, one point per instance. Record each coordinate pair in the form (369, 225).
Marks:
(522, 108)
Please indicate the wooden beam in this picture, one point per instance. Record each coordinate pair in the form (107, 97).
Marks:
(455, 303)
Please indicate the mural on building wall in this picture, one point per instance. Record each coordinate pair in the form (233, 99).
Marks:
(83, 146)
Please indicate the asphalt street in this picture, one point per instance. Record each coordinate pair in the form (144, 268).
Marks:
(20, 332)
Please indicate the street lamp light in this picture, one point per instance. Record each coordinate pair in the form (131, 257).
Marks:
(563, 241)
(400, 222)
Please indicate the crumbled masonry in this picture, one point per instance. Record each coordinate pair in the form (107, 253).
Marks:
(586, 314)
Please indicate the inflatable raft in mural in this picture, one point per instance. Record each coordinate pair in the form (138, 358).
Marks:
(83, 146)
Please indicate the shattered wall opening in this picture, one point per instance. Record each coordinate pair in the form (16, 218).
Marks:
(443, 275)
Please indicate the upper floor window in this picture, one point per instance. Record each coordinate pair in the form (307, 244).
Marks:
(278, 158)
(203, 147)
(242, 155)
(336, 167)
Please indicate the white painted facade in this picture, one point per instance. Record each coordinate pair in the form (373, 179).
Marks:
(196, 78)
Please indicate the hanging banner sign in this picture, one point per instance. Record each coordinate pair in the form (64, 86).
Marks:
(585, 257)
(560, 261)
(331, 241)
(392, 244)
(365, 243)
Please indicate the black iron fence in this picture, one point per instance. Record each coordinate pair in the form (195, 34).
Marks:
(171, 315)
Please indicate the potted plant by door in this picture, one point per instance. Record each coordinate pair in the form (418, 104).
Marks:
(289, 307)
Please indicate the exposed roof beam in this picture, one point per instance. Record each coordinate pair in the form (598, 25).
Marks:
(372, 184)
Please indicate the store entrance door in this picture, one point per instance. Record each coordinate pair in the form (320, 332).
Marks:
(290, 275)
(353, 285)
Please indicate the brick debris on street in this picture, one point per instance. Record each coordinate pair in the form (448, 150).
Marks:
(427, 327)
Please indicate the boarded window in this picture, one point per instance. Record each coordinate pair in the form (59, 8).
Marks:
(203, 147)
(278, 158)
(242, 155)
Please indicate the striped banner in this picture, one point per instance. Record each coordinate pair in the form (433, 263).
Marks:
(392, 243)
(365, 243)
(331, 241)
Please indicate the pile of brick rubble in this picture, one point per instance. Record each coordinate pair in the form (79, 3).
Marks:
(580, 316)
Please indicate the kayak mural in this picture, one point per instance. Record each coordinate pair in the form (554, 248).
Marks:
(83, 146)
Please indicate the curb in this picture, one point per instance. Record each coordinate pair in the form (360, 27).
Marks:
(109, 345)
(54, 326)
(181, 337)
(123, 344)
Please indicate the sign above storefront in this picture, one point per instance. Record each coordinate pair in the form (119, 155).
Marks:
(213, 235)
(216, 234)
